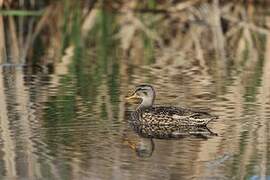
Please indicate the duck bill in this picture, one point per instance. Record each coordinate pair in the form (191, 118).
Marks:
(133, 97)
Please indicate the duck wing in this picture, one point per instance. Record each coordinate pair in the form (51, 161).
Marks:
(168, 116)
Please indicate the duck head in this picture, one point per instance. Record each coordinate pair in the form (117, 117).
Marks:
(144, 92)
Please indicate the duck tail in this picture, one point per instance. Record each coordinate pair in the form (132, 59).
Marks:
(211, 119)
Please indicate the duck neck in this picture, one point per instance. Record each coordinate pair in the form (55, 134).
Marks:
(146, 103)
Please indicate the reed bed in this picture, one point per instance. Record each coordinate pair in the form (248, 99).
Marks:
(162, 29)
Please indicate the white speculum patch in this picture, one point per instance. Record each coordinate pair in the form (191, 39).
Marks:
(176, 116)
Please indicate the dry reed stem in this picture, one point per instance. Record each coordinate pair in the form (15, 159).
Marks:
(28, 42)
(3, 54)
(219, 40)
(184, 5)
(127, 31)
(14, 43)
(150, 33)
(249, 25)
(89, 21)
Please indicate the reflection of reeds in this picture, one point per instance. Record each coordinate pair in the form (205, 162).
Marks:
(8, 141)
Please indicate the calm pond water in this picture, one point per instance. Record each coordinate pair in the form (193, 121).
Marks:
(72, 126)
(68, 119)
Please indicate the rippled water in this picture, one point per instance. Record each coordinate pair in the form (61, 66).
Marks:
(74, 125)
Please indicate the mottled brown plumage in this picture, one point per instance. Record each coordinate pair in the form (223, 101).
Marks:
(164, 121)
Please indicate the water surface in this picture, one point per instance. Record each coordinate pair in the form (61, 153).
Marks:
(64, 127)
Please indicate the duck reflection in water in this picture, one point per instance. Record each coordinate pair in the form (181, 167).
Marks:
(166, 122)
(144, 147)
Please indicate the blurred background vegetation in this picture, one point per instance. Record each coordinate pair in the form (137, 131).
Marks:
(39, 32)
(83, 56)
